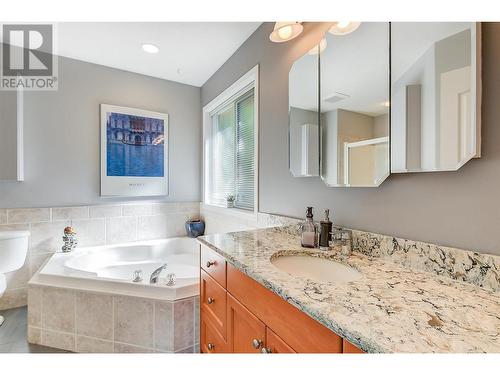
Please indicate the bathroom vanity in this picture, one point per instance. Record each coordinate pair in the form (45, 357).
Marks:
(238, 315)
(250, 305)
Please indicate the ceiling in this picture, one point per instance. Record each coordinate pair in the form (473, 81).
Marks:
(190, 52)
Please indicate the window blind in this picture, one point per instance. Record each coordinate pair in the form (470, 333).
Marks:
(245, 152)
(231, 153)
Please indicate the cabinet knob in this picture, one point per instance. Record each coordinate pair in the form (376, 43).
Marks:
(256, 343)
(211, 263)
(210, 346)
(266, 351)
(210, 300)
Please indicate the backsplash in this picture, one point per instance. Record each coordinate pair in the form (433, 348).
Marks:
(482, 270)
(479, 269)
(95, 225)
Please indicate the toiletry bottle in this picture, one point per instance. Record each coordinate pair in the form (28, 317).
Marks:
(309, 230)
(324, 231)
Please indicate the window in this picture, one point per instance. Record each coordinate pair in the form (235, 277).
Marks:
(230, 146)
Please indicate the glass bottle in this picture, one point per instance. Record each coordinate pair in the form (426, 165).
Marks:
(324, 231)
(309, 230)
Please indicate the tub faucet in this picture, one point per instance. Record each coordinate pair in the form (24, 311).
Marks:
(156, 273)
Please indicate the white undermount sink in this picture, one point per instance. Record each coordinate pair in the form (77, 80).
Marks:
(317, 269)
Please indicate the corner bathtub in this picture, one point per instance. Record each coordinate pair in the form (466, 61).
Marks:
(111, 268)
(85, 301)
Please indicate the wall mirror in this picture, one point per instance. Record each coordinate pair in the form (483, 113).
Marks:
(354, 105)
(434, 95)
(304, 116)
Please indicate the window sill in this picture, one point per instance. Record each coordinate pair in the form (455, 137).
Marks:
(235, 212)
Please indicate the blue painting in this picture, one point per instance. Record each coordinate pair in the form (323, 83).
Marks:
(135, 146)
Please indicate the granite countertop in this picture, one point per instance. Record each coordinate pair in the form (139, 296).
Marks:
(390, 309)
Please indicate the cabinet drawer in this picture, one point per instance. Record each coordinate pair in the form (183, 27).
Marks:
(302, 333)
(211, 340)
(275, 345)
(213, 264)
(246, 333)
(213, 302)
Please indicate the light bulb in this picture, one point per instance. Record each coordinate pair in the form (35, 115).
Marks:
(343, 24)
(344, 27)
(285, 32)
(150, 48)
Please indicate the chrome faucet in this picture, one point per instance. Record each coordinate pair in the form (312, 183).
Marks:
(156, 273)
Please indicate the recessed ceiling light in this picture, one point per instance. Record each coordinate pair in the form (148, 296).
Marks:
(150, 48)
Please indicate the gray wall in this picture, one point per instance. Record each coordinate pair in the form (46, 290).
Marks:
(61, 132)
(459, 209)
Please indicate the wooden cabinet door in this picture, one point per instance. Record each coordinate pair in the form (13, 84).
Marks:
(275, 345)
(301, 332)
(350, 348)
(213, 302)
(246, 333)
(211, 341)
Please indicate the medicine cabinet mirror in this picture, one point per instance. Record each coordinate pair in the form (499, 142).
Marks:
(304, 116)
(381, 98)
(435, 80)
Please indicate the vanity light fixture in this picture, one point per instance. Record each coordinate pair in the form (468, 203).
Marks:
(150, 48)
(285, 31)
(315, 50)
(344, 27)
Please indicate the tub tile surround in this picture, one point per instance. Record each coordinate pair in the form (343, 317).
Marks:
(397, 306)
(89, 322)
(95, 225)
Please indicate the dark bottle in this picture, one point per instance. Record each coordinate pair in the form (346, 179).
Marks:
(324, 232)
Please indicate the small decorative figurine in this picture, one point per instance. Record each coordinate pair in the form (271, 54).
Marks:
(69, 239)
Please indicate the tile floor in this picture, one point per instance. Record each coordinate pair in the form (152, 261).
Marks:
(13, 334)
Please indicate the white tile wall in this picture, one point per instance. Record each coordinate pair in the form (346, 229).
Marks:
(95, 225)
(224, 220)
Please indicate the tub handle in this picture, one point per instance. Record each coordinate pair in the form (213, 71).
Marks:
(137, 277)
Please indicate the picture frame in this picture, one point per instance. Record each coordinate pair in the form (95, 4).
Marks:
(134, 152)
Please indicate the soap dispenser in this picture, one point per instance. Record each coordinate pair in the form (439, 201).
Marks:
(309, 230)
(324, 231)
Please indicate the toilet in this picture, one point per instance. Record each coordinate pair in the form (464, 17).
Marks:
(13, 250)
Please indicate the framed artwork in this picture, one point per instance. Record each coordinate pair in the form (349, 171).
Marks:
(134, 152)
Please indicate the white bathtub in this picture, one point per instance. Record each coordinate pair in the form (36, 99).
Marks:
(110, 269)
